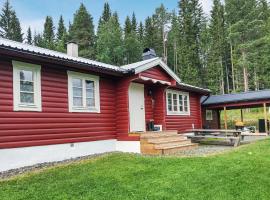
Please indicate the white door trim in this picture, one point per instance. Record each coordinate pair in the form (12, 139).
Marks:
(136, 108)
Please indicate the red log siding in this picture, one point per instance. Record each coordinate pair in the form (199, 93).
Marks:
(149, 114)
(182, 123)
(54, 125)
(156, 73)
(160, 106)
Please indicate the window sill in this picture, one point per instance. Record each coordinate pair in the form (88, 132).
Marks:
(27, 107)
(84, 110)
(178, 114)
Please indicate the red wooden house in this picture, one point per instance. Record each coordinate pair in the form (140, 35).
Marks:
(55, 106)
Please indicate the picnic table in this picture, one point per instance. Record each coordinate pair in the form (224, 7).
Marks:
(233, 135)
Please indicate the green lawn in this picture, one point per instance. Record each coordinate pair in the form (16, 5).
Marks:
(243, 173)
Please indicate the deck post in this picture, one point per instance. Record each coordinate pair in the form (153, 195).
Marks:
(242, 116)
(265, 117)
(225, 118)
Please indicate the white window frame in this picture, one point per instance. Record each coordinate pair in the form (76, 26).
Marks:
(178, 112)
(84, 108)
(36, 69)
(209, 117)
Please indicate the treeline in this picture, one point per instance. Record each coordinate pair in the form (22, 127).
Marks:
(228, 51)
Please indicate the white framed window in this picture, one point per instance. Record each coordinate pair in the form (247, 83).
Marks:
(177, 102)
(209, 115)
(26, 86)
(83, 92)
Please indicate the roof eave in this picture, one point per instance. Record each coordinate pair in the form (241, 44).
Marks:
(15, 53)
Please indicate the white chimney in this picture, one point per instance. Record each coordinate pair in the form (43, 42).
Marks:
(72, 49)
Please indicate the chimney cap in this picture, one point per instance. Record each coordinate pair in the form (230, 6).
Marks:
(72, 42)
(148, 53)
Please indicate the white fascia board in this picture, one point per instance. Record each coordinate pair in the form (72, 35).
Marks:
(160, 63)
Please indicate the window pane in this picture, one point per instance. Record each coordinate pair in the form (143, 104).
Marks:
(90, 102)
(26, 75)
(26, 86)
(180, 103)
(77, 101)
(77, 92)
(76, 82)
(27, 97)
(169, 100)
(89, 84)
(174, 102)
(89, 93)
(186, 103)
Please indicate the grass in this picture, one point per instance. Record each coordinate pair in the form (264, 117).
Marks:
(241, 174)
(251, 116)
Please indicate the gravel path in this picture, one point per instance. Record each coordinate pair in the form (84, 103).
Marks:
(205, 150)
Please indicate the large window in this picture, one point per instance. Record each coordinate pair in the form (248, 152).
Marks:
(177, 103)
(26, 87)
(83, 92)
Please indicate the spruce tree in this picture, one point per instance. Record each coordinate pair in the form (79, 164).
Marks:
(134, 22)
(141, 32)
(128, 26)
(48, 33)
(29, 39)
(9, 24)
(216, 58)
(61, 30)
(190, 21)
(15, 27)
(61, 34)
(149, 32)
(82, 32)
(109, 43)
(132, 45)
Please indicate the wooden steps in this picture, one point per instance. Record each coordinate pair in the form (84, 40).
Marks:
(164, 143)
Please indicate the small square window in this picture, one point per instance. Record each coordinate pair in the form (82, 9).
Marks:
(83, 92)
(209, 115)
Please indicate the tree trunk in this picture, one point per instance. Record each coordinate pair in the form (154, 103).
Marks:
(233, 76)
(245, 73)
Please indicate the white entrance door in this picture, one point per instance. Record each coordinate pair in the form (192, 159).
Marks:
(136, 107)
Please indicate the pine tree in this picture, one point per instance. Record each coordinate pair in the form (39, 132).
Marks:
(134, 22)
(82, 31)
(160, 18)
(9, 24)
(149, 31)
(216, 60)
(106, 15)
(191, 19)
(141, 32)
(38, 40)
(48, 33)
(128, 26)
(132, 45)
(29, 39)
(61, 30)
(173, 42)
(109, 43)
(15, 27)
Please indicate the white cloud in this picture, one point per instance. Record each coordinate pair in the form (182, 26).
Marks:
(36, 25)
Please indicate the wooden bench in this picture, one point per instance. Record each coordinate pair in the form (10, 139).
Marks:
(233, 140)
(233, 135)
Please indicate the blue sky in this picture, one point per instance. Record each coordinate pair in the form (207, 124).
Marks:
(33, 12)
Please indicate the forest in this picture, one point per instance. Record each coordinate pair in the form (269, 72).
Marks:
(226, 51)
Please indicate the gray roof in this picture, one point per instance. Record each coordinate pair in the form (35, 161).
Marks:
(42, 51)
(26, 48)
(236, 97)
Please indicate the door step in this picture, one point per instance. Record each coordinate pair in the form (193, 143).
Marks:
(164, 143)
